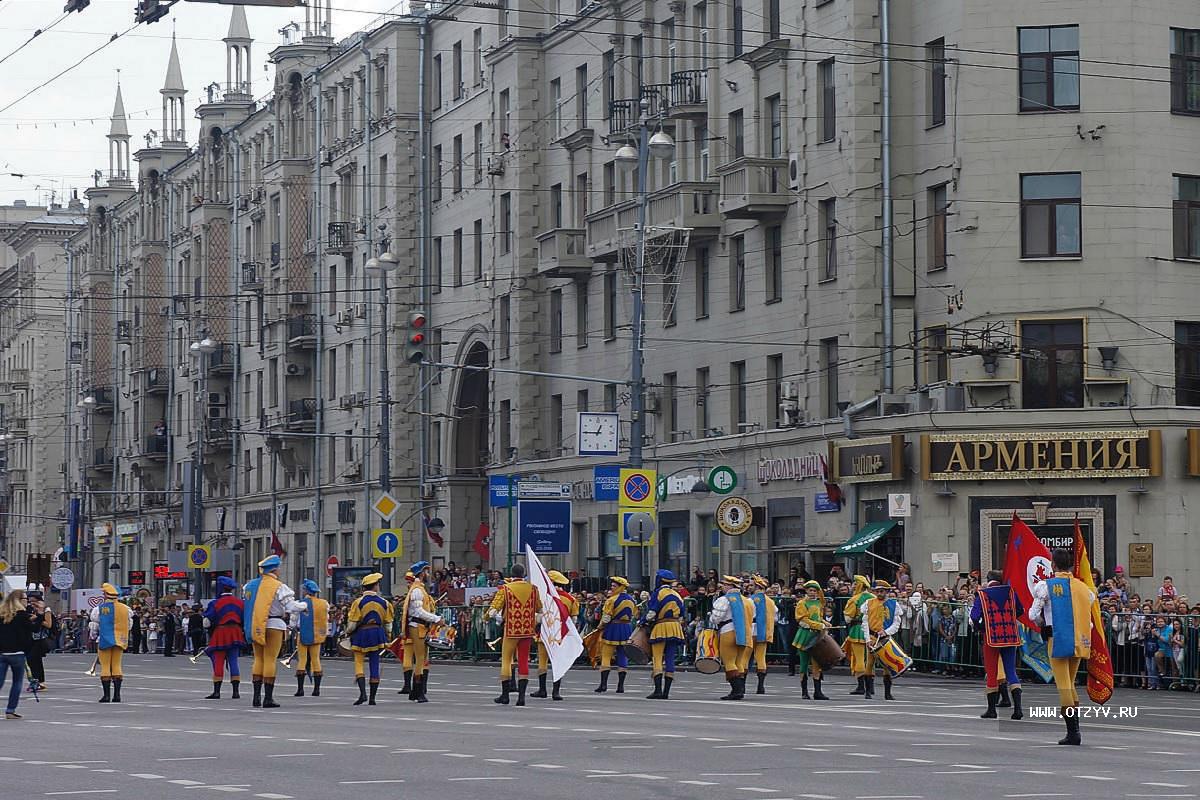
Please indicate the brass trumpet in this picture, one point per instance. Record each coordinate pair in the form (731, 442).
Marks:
(95, 666)
(287, 662)
(492, 644)
(196, 657)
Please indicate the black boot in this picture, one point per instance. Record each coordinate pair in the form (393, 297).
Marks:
(862, 686)
(299, 685)
(236, 685)
(541, 690)
(421, 684)
(257, 694)
(1071, 715)
(1018, 712)
(887, 687)
(557, 690)
(739, 688)
(374, 691)
(506, 688)
(817, 693)
(522, 685)
(657, 693)
(316, 692)
(762, 683)
(992, 697)
(804, 688)
(791, 662)
(621, 682)
(407, 682)
(603, 687)
(269, 696)
(116, 698)
(107, 686)
(667, 681)
(868, 687)
(1004, 700)
(414, 688)
(216, 692)
(362, 691)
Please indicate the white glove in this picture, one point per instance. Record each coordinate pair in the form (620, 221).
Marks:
(494, 614)
(207, 623)
(607, 618)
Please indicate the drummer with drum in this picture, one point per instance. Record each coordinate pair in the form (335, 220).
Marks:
(882, 624)
(815, 647)
(616, 625)
(417, 621)
(732, 616)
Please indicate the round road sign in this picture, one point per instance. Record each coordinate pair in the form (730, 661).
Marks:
(722, 479)
(330, 563)
(62, 578)
(734, 516)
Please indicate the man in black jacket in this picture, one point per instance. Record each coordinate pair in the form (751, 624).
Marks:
(196, 628)
(169, 623)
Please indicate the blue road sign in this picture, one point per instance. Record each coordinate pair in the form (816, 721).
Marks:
(385, 543)
(822, 504)
(498, 491)
(606, 484)
(544, 525)
(637, 488)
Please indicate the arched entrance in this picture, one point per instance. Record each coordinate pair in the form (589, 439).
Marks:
(471, 411)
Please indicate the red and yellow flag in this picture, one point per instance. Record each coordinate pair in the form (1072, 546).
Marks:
(1099, 666)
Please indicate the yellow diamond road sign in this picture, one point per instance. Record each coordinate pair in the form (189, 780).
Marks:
(3, 566)
(385, 506)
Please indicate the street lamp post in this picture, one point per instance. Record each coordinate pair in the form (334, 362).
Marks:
(660, 145)
(382, 264)
(202, 350)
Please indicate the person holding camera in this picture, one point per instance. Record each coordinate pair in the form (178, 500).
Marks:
(42, 634)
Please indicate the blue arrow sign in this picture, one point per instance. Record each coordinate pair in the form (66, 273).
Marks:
(386, 543)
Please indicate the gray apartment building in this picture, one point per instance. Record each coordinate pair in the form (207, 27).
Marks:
(947, 280)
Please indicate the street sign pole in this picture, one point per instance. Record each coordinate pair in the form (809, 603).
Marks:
(510, 523)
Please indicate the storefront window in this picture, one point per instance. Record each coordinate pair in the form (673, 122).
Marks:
(673, 551)
(891, 546)
(711, 539)
(611, 558)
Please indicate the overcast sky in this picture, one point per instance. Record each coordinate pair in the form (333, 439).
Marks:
(55, 137)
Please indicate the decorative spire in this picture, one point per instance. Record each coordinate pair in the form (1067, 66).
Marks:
(118, 143)
(238, 80)
(174, 81)
(238, 29)
(120, 126)
(173, 93)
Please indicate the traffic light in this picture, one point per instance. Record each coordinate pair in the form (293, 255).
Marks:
(76, 5)
(414, 338)
(148, 11)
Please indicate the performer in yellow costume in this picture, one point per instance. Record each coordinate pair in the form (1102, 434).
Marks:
(570, 608)
(810, 621)
(268, 602)
(312, 626)
(1062, 605)
(110, 623)
(368, 621)
(664, 612)
(616, 622)
(855, 645)
(520, 605)
(732, 616)
(417, 618)
(882, 622)
(764, 628)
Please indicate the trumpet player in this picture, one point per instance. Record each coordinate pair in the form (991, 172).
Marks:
(225, 618)
(312, 626)
(369, 618)
(269, 600)
(417, 619)
(110, 624)
(520, 605)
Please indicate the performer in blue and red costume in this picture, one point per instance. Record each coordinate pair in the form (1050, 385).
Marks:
(998, 608)
(369, 618)
(664, 615)
(225, 618)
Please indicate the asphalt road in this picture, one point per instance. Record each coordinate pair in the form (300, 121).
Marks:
(165, 741)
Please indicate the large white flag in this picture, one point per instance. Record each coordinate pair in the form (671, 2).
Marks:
(558, 632)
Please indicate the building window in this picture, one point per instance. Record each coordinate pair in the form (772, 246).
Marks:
(827, 211)
(477, 152)
(458, 257)
(827, 97)
(477, 57)
(504, 335)
(774, 128)
(610, 397)
(1187, 363)
(581, 96)
(556, 206)
(556, 118)
(556, 425)
(935, 57)
(556, 320)
(581, 400)
(477, 234)
(505, 433)
(702, 402)
(702, 281)
(670, 293)
(437, 83)
(775, 390)
(1049, 68)
(456, 75)
(737, 397)
(1050, 222)
(670, 405)
(610, 183)
(774, 266)
(937, 359)
(1185, 71)
(1187, 216)
(737, 134)
(436, 279)
(830, 394)
(1052, 364)
(581, 198)
(736, 26)
(505, 222)
(581, 313)
(773, 20)
(737, 273)
(436, 178)
(457, 175)
(610, 306)
(937, 227)
(505, 117)
(608, 81)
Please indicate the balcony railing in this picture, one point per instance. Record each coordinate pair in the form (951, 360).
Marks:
(689, 92)
(754, 188)
(103, 397)
(622, 115)
(124, 332)
(18, 426)
(218, 431)
(340, 238)
(19, 378)
(102, 458)
(686, 204)
(155, 446)
(302, 330)
(302, 414)
(562, 253)
(252, 275)
(157, 380)
(223, 360)
(604, 229)
(17, 477)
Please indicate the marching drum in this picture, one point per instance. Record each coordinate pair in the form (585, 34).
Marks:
(344, 648)
(442, 638)
(893, 657)
(708, 656)
(637, 652)
(825, 650)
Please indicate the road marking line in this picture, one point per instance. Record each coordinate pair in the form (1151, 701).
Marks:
(632, 747)
(845, 772)
(890, 797)
(970, 766)
(150, 776)
(817, 796)
(374, 745)
(547, 766)
(221, 788)
(501, 761)
(916, 760)
(863, 755)
(296, 755)
(1164, 753)
(457, 755)
(84, 791)
(70, 766)
(493, 778)
(273, 796)
(1040, 794)
(728, 774)
(757, 789)
(966, 772)
(1092, 778)
(700, 783)
(358, 783)
(1166, 785)
(1036, 771)
(519, 749)
(188, 758)
(186, 782)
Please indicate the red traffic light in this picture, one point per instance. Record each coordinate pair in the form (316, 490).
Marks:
(416, 338)
(416, 319)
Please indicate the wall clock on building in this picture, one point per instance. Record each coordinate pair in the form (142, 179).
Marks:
(598, 433)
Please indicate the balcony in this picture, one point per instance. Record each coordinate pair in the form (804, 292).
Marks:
(754, 188)
(102, 459)
(622, 115)
(604, 229)
(302, 331)
(218, 433)
(223, 360)
(18, 477)
(156, 380)
(124, 332)
(155, 447)
(252, 276)
(18, 378)
(686, 204)
(689, 93)
(18, 426)
(301, 415)
(103, 397)
(340, 238)
(562, 254)
(154, 499)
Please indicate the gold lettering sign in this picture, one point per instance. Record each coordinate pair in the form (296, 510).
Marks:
(863, 460)
(1037, 455)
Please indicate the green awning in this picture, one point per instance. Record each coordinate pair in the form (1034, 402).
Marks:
(866, 536)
